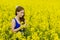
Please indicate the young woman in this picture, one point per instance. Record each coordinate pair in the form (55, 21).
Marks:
(19, 18)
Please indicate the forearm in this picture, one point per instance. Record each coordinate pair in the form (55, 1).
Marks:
(15, 30)
(21, 27)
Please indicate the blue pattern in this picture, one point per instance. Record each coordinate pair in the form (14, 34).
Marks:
(17, 24)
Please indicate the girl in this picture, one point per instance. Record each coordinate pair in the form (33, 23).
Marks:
(16, 22)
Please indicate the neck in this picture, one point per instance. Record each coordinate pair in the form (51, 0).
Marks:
(17, 17)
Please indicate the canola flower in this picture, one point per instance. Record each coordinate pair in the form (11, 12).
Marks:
(42, 19)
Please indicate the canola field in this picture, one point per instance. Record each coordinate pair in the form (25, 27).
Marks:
(42, 18)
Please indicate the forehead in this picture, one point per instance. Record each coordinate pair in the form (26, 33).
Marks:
(22, 11)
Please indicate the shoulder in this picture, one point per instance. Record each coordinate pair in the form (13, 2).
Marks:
(13, 21)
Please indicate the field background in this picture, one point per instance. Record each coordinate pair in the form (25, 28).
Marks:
(42, 17)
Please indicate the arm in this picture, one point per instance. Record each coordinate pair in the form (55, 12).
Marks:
(13, 25)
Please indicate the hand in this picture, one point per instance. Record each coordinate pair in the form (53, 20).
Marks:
(22, 26)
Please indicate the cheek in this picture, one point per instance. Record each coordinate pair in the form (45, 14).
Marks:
(19, 13)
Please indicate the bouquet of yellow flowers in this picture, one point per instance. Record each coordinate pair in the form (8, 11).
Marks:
(23, 27)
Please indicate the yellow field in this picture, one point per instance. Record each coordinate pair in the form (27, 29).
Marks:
(42, 17)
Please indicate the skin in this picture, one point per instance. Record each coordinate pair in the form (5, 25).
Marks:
(19, 14)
